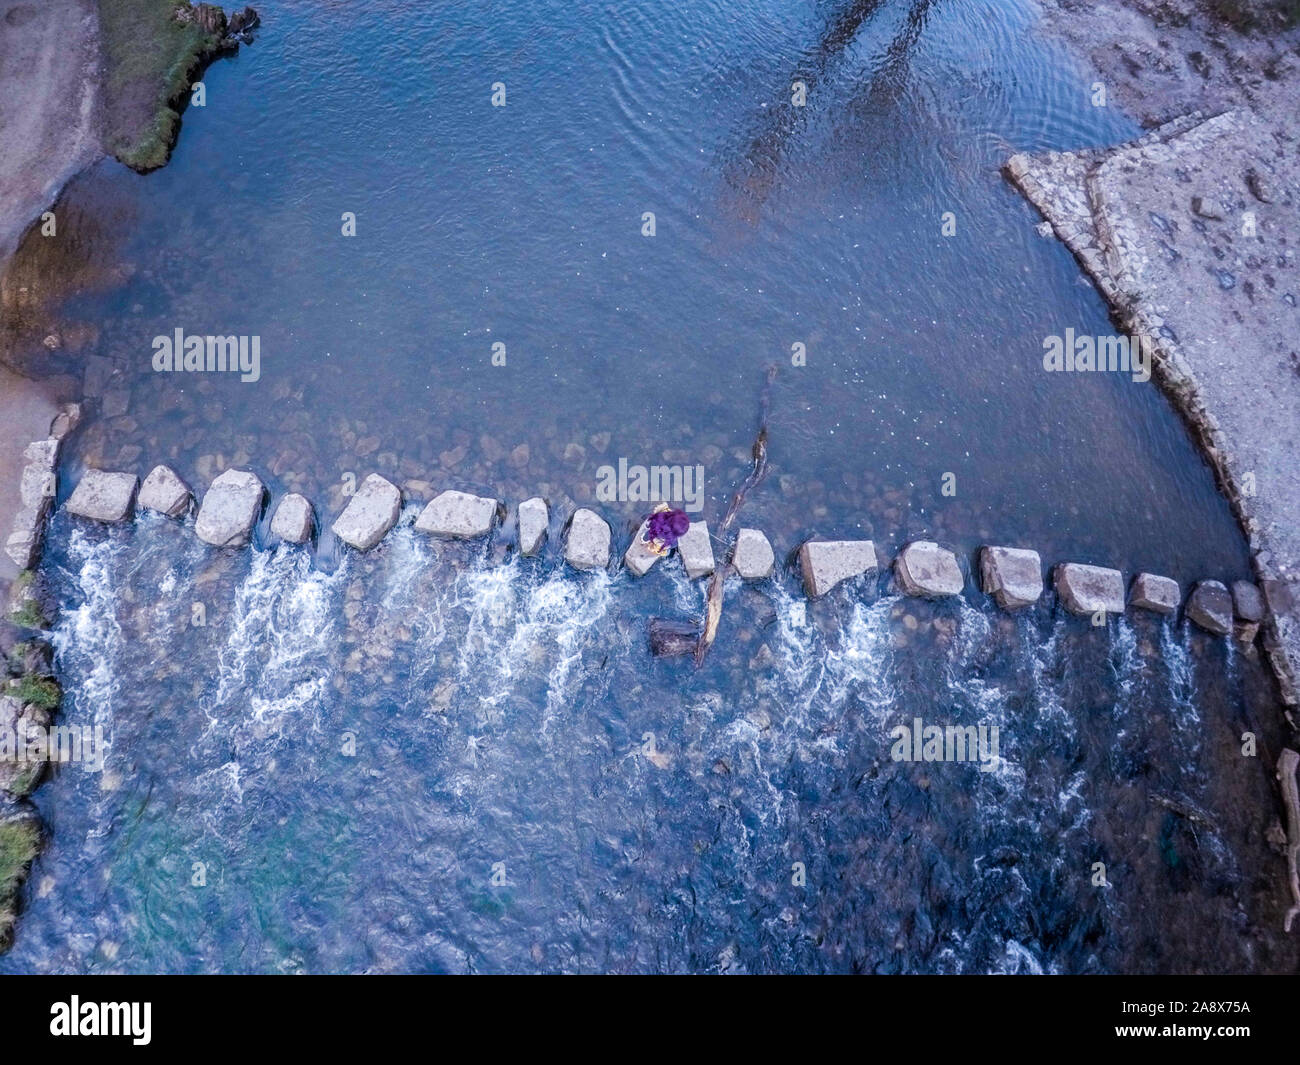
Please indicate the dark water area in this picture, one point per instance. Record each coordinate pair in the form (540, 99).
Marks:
(437, 757)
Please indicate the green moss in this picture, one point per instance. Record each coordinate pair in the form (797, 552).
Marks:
(149, 61)
(36, 691)
(20, 842)
(29, 615)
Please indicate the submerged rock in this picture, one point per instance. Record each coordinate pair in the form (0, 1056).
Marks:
(230, 509)
(1085, 590)
(588, 541)
(1152, 592)
(670, 637)
(370, 513)
(103, 496)
(165, 492)
(458, 515)
(534, 518)
(925, 569)
(1012, 575)
(1210, 606)
(696, 550)
(826, 563)
(293, 520)
(752, 557)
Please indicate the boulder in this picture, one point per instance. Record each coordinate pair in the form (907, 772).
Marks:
(1247, 602)
(826, 563)
(102, 496)
(230, 509)
(1152, 592)
(458, 515)
(1087, 589)
(1012, 575)
(924, 568)
(1210, 606)
(293, 520)
(534, 519)
(696, 550)
(752, 557)
(373, 510)
(588, 542)
(165, 492)
(638, 557)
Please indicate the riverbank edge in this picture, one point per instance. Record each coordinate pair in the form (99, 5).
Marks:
(1059, 186)
(158, 49)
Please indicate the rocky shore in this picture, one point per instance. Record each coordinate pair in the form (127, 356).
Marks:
(1191, 234)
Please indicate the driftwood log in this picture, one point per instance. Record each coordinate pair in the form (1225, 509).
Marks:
(669, 637)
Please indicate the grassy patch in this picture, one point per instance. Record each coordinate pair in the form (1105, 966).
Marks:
(29, 615)
(20, 842)
(36, 691)
(149, 60)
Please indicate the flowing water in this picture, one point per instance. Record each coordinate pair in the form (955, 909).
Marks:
(443, 757)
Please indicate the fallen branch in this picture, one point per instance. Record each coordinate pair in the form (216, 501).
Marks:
(670, 637)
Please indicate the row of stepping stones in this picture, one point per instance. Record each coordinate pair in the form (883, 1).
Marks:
(1012, 576)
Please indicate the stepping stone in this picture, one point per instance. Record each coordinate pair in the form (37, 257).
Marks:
(293, 520)
(1210, 606)
(165, 492)
(458, 515)
(230, 509)
(1152, 592)
(1085, 590)
(534, 518)
(924, 568)
(588, 543)
(1012, 575)
(373, 509)
(1247, 602)
(102, 496)
(36, 491)
(752, 558)
(696, 550)
(826, 563)
(638, 557)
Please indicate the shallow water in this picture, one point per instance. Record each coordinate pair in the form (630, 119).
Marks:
(648, 816)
